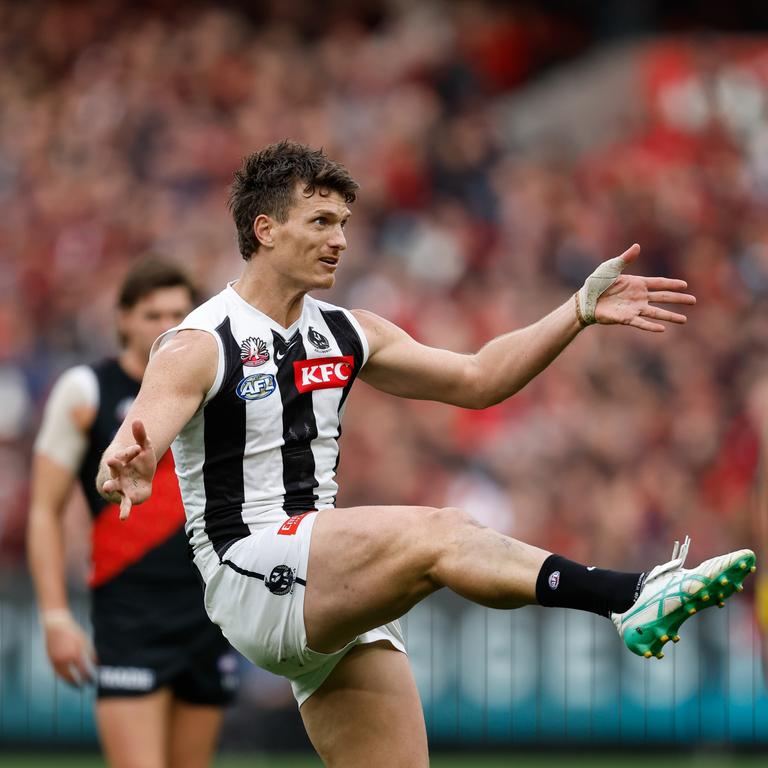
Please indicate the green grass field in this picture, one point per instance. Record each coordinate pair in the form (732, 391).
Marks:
(513, 760)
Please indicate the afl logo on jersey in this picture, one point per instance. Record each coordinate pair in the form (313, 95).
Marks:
(256, 387)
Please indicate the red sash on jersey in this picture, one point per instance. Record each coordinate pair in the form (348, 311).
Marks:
(116, 543)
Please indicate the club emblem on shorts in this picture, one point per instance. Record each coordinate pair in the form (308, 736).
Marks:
(317, 340)
(554, 579)
(257, 386)
(280, 580)
(253, 352)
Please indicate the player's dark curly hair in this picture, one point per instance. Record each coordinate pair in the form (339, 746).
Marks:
(266, 184)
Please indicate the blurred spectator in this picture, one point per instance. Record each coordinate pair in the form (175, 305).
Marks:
(121, 127)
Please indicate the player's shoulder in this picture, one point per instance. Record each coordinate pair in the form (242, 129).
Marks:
(373, 323)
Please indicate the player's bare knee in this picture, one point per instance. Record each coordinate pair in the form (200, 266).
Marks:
(446, 528)
(448, 521)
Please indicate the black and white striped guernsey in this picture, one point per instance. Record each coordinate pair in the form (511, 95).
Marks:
(264, 443)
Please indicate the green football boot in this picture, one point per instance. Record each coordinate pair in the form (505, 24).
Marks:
(671, 594)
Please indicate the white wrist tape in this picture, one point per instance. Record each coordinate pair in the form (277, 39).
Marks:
(56, 617)
(596, 285)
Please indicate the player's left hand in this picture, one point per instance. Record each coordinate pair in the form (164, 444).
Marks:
(630, 299)
(131, 471)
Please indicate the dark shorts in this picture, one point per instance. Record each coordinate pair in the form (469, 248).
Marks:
(147, 642)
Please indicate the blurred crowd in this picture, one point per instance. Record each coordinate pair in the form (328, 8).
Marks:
(120, 128)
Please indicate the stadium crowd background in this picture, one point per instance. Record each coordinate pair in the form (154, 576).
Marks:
(120, 128)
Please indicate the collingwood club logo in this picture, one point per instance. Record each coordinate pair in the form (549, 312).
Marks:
(253, 352)
(280, 580)
(317, 340)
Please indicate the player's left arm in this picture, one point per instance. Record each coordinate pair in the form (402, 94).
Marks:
(174, 386)
(401, 366)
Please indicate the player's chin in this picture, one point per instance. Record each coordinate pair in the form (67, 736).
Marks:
(323, 282)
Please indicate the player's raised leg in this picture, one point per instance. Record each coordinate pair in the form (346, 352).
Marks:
(368, 712)
(370, 565)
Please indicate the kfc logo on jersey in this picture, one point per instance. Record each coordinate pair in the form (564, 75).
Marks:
(323, 372)
(253, 352)
(317, 340)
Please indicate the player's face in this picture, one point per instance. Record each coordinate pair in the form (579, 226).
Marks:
(152, 315)
(308, 245)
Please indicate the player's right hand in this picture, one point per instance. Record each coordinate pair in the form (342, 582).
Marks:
(70, 651)
(131, 471)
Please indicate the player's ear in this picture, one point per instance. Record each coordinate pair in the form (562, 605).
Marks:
(263, 228)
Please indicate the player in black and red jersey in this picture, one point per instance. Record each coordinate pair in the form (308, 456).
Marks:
(163, 671)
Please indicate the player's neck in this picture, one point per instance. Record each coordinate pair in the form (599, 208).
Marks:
(274, 297)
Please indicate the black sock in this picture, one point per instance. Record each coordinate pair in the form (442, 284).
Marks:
(564, 584)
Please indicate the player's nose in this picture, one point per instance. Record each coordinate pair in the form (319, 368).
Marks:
(337, 241)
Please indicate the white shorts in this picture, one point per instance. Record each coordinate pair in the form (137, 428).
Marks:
(256, 595)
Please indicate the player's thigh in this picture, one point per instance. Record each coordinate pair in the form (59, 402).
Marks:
(134, 729)
(194, 731)
(369, 565)
(368, 712)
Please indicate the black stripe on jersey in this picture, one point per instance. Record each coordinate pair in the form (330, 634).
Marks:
(349, 343)
(224, 440)
(299, 428)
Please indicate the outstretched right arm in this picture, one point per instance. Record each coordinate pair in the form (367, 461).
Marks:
(175, 383)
